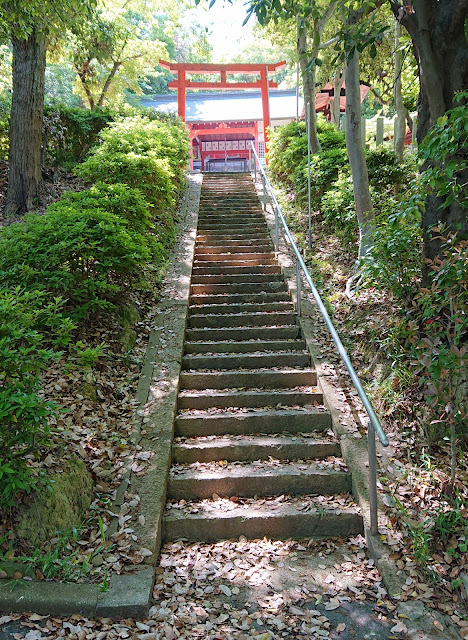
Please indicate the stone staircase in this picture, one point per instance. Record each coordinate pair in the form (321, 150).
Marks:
(253, 454)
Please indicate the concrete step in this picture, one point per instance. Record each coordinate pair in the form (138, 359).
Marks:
(225, 398)
(280, 378)
(247, 361)
(227, 257)
(242, 333)
(245, 448)
(210, 524)
(230, 242)
(272, 319)
(236, 278)
(258, 247)
(245, 347)
(226, 227)
(256, 479)
(235, 261)
(228, 215)
(240, 298)
(206, 309)
(221, 237)
(244, 422)
(245, 287)
(217, 271)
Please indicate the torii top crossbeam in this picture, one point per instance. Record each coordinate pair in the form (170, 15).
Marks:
(182, 69)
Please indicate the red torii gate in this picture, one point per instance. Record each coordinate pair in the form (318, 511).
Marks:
(182, 69)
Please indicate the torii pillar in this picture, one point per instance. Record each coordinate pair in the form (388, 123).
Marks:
(183, 69)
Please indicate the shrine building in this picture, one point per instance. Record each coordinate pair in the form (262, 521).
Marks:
(223, 121)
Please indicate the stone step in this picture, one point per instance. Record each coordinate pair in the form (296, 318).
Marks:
(280, 378)
(255, 270)
(241, 242)
(206, 309)
(262, 479)
(247, 361)
(228, 215)
(249, 448)
(229, 521)
(226, 227)
(245, 347)
(258, 247)
(235, 261)
(225, 398)
(227, 257)
(244, 422)
(272, 319)
(236, 278)
(216, 237)
(242, 333)
(240, 298)
(245, 287)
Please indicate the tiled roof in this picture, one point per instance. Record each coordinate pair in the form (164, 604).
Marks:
(227, 106)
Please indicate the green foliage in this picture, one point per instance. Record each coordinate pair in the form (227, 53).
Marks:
(444, 151)
(397, 233)
(385, 171)
(337, 206)
(118, 199)
(31, 330)
(71, 131)
(5, 108)
(85, 255)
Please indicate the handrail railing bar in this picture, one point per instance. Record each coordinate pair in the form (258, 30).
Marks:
(341, 349)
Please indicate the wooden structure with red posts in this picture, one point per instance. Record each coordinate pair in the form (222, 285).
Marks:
(223, 141)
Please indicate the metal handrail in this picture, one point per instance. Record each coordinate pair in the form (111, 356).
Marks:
(375, 427)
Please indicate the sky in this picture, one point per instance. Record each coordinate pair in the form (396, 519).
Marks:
(225, 20)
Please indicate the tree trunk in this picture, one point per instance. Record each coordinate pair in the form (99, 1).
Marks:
(355, 149)
(338, 79)
(308, 83)
(27, 110)
(400, 124)
(437, 30)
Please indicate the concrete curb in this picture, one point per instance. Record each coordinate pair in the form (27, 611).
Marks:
(129, 596)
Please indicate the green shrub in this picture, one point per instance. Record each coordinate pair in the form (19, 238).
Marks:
(118, 199)
(385, 171)
(152, 176)
(5, 108)
(143, 136)
(87, 256)
(325, 168)
(31, 329)
(70, 132)
(337, 206)
(397, 233)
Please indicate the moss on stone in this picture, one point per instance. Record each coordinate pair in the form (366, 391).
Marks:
(59, 507)
(127, 338)
(88, 391)
(128, 314)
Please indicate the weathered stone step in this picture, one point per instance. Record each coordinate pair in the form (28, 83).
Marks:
(217, 237)
(214, 270)
(246, 287)
(190, 425)
(230, 215)
(260, 520)
(236, 261)
(236, 278)
(225, 398)
(245, 347)
(272, 319)
(247, 361)
(281, 378)
(240, 298)
(242, 333)
(249, 448)
(227, 257)
(258, 247)
(206, 309)
(249, 480)
(228, 244)
(226, 227)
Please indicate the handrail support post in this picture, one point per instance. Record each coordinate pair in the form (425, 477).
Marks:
(374, 523)
(264, 192)
(298, 288)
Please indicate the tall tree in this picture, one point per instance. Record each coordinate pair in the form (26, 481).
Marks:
(438, 32)
(28, 24)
